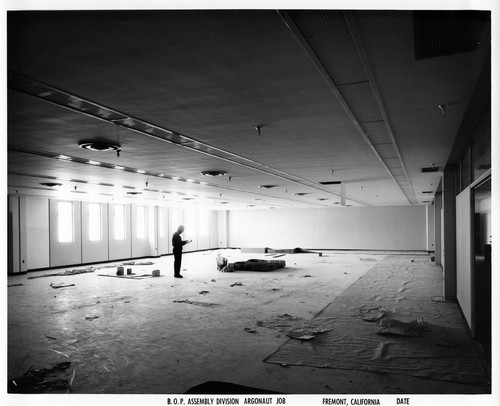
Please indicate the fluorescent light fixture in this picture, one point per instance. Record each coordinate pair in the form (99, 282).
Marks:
(121, 168)
(64, 157)
(175, 178)
(94, 163)
(190, 180)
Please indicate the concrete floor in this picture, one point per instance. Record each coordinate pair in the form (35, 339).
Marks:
(131, 337)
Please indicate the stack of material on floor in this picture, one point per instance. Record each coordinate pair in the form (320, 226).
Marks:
(259, 265)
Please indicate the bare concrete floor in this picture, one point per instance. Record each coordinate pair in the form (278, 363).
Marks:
(126, 336)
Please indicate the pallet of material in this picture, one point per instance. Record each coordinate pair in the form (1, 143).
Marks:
(259, 265)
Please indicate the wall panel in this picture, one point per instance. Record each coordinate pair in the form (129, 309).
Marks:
(464, 254)
(374, 228)
(119, 248)
(65, 253)
(37, 223)
(94, 251)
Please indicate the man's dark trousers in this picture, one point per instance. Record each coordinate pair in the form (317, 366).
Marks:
(177, 262)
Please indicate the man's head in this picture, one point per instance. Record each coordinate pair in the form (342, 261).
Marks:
(180, 229)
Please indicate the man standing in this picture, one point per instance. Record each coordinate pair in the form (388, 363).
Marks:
(177, 244)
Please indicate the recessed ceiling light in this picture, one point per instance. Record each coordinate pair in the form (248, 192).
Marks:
(98, 146)
(94, 163)
(322, 199)
(64, 157)
(50, 184)
(140, 171)
(301, 194)
(134, 193)
(190, 180)
(121, 168)
(213, 174)
(268, 186)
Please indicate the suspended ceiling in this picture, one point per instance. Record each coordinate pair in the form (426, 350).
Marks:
(323, 108)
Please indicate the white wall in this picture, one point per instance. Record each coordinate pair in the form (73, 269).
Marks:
(63, 253)
(464, 254)
(37, 219)
(94, 251)
(33, 240)
(374, 228)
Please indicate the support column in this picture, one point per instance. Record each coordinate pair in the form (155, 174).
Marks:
(449, 259)
(437, 227)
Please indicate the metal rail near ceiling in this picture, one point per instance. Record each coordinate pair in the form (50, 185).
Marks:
(324, 34)
(72, 102)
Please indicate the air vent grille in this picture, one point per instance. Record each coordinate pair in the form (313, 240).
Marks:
(439, 33)
(430, 169)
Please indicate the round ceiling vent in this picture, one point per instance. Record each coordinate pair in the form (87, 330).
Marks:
(213, 174)
(99, 146)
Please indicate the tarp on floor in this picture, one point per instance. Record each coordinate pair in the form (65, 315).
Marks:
(443, 350)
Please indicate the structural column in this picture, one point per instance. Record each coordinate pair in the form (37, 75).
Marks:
(448, 237)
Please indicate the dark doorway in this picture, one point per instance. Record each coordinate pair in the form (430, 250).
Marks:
(482, 266)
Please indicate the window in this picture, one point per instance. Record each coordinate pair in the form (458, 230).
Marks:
(94, 222)
(119, 223)
(65, 222)
(141, 222)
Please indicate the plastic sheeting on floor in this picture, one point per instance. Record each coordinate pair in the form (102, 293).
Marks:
(401, 288)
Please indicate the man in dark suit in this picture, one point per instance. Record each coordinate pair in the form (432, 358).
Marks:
(177, 244)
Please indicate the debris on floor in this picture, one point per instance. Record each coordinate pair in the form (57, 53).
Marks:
(395, 327)
(92, 317)
(236, 284)
(305, 334)
(41, 380)
(372, 314)
(259, 265)
(15, 284)
(67, 272)
(138, 263)
(204, 292)
(294, 327)
(193, 302)
(368, 259)
(61, 285)
(250, 330)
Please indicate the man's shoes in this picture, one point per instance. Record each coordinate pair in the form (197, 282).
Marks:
(178, 276)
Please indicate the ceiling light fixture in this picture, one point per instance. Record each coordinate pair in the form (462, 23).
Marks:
(98, 146)
(94, 163)
(50, 184)
(134, 193)
(213, 174)
(301, 194)
(268, 186)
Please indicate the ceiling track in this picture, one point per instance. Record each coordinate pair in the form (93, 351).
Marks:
(78, 104)
(325, 34)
